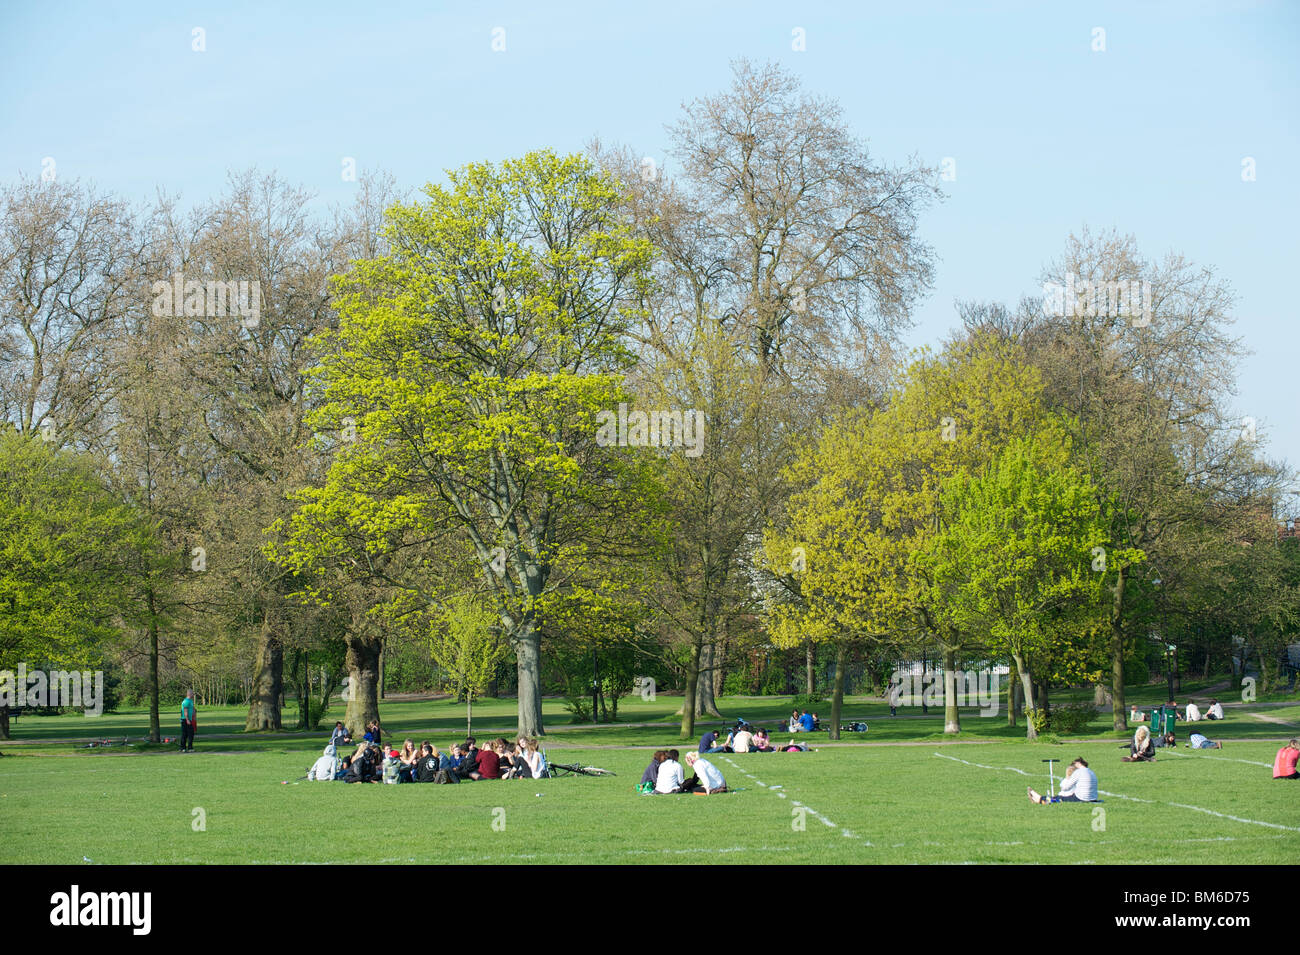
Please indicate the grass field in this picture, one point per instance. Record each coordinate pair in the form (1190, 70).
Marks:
(920, 800)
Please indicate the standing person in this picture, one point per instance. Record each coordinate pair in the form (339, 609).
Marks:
(1284, 766)
(189, 722)
(895, 694)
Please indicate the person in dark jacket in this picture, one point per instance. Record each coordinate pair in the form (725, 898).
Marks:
(651, 774)
(1142, 749)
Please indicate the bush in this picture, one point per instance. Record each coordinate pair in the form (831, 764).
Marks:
(1136, 672)
(1072, 717)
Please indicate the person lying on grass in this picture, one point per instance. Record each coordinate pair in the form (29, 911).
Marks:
(1079, 785)
(1141, 750)
(1284, 765)
(707, 781)
(1198, 741)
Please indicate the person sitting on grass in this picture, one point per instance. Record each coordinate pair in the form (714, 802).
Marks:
(1079, 785)
(1198, 741)
(533, 757)
(742, 741)
(1193, 712)
(427, 765)
(807, 723)
(1215, 711)
(407, 759)
(326, 768)
(360, 769)
(488, 764)
(1141, 750)
(1284, 765)
(795, 725)
(340, 734)
(707, 781)
(518, 766)
(651, 774)
(1168, 739)
(761, 742)
(670, 777)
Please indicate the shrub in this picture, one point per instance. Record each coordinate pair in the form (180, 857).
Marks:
(1072, 717)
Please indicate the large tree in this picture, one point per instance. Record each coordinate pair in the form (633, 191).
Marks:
(472, 360)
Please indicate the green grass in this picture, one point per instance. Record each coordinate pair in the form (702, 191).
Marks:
(896, 804)
(912, 801)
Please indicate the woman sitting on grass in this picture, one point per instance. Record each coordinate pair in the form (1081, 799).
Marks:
(651, 774)
(761, 743)
(707, 781)
(1079, 785)
(1141, 750)
(534, 758)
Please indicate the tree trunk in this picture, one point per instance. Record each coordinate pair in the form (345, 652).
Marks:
(381, 673)
(469, 716)
(4, 721)
(1120, 720)
(810, 656)
(692, 680)
(268, 681)
(363, 682)
(528, 658)
(837, 700)
(951, 718)
(705, 703)
(1013, 693)
(1027, 685)
(155, 729)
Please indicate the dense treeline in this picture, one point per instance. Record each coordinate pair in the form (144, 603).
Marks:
(629, 425)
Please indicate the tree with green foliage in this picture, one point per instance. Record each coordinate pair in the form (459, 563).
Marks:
(870, 496)
(66, 542)
(464, 638)
(471, 362)
(1013, 555)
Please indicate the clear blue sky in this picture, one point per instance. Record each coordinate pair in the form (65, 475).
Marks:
(1048, 135)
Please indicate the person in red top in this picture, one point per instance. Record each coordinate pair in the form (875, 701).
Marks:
(489, 764)
(1284, 765)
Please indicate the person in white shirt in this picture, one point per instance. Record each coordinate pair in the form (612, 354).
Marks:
(1215, 712)
(1079, 785)
(671, 778)
(706, 774)
(741, 742)
(1193, 712)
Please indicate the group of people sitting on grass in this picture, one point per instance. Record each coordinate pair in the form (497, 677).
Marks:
(371, 763)
(665, 776)
(1142, 748)
(745, 739)
(1193, 714)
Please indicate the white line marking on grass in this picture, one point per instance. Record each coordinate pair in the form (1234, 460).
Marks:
(1248, 762)
(1177, 805)
(848, 834)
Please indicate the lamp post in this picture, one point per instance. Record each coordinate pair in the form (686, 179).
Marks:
(1171, 651)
